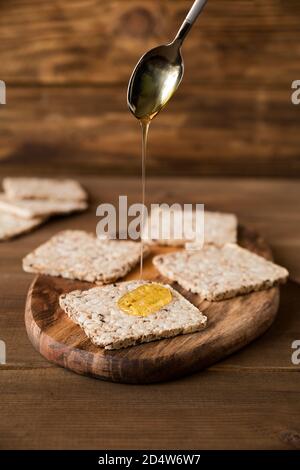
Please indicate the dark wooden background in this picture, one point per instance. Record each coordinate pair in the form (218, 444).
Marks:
(66, 64)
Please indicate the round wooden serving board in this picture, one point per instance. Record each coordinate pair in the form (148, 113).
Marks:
(232, 324)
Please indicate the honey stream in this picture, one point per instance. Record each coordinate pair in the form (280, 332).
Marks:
(145, 123)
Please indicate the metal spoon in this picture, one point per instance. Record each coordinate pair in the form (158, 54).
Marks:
(159, 72)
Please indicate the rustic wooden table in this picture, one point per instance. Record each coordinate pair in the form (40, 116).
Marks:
(250, 400)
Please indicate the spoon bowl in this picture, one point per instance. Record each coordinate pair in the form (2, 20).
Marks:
(154, 80)
(159, 72)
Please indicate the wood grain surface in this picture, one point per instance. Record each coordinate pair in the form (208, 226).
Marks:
(99, 41)
(232, 324)
(203, 131)
(249, 400)
(67, 63)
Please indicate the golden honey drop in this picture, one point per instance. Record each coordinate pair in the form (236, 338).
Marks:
(145, 299)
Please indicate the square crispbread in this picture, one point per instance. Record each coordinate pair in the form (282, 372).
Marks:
(12, 226)
(96, 312)
(75, 254)
(217, 273)
(31, 208)
(219, 228)
(43, 188)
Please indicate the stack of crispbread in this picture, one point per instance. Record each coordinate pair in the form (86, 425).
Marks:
(28, 202)
(11, 226)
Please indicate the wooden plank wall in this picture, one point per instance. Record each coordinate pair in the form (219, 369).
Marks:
(66, 64)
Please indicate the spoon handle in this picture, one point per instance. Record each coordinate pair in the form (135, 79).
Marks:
(190, 19)
(195, 11)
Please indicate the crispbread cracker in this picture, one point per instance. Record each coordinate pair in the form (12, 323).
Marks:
(30, 208)
(219, 228)
(75, 254)
(216, 273)
(97, 313)
(43, 188)
(12, 226)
